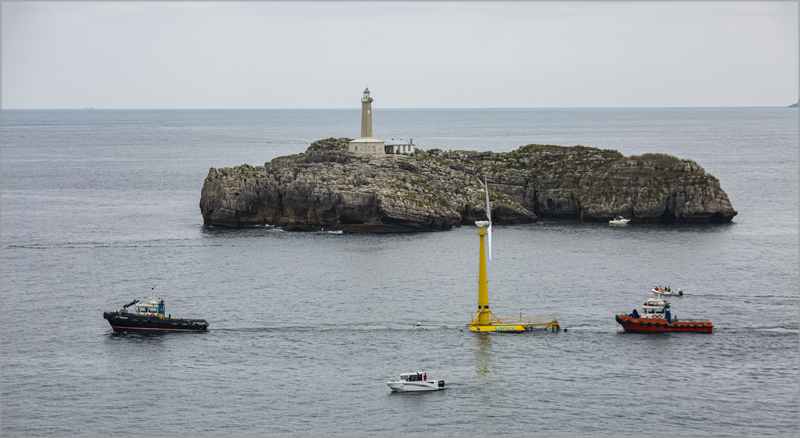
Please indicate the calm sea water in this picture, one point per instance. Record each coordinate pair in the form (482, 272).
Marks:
(97, 206)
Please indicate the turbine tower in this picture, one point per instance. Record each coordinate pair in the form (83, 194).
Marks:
(484, 229)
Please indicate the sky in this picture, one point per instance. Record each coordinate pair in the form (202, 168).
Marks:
(192, 55)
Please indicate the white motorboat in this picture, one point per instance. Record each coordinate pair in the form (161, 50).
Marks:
(412, 382)
(619, 220)
(667, 291)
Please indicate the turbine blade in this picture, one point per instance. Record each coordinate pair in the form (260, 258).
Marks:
(488, 208)
(489, 215)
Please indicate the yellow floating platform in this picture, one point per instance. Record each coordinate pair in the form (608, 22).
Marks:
(497, 328)
(516, 324)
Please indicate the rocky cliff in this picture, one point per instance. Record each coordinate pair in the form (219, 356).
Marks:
(328, 187)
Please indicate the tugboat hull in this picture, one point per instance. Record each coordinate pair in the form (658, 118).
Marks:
(632, 324)
(129, 322)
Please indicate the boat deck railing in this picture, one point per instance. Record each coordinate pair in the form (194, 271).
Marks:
(690, 320)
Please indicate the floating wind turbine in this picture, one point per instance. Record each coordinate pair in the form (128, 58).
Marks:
(486, 320)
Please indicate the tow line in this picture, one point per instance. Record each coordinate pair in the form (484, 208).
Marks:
(328, 323)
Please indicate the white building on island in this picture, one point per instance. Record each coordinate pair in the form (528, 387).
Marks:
(400, 146)
(366, 144)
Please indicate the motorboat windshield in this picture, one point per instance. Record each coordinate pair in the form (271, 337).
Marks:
(413, 377)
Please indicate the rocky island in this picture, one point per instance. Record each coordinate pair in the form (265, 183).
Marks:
(327, 187)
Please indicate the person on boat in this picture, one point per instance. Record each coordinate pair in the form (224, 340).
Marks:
(425, 377)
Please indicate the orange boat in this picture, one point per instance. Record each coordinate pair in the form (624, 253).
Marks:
(656, 317)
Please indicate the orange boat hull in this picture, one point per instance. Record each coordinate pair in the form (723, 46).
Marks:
(632, 324)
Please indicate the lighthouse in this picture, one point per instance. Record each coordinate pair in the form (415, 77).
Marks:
(366, 115)
(366, 144)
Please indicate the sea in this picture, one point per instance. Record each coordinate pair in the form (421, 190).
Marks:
(100, 206)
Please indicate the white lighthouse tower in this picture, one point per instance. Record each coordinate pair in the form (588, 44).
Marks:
(366, 144)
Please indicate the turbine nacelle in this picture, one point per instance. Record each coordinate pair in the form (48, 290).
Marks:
(482, 224)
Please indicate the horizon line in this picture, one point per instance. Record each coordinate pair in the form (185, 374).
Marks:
(392, 108)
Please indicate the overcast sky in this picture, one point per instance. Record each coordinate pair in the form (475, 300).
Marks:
(410, 54)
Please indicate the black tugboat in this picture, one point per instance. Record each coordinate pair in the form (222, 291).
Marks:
(149, 317)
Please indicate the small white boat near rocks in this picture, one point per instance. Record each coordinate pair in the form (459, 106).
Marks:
(414, 382)
(619, 220)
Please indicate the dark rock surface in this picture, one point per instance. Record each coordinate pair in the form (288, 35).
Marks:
(328, 187)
